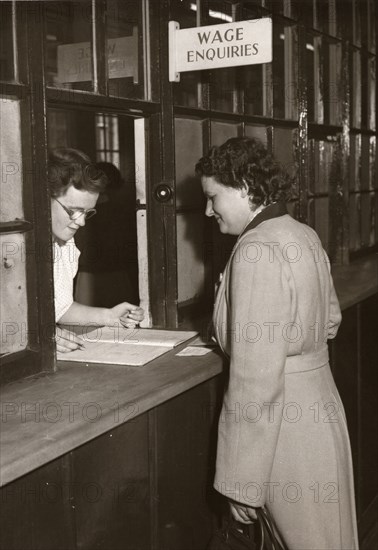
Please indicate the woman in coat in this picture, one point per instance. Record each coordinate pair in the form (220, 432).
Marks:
(282, 438)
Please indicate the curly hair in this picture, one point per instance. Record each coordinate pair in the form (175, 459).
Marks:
(68, 167)
(245, 161)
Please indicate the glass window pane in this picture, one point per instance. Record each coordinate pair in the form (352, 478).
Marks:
(320, 63)
(355, 162)
(100, 136)
(365, 163)
(278, 70)
(188, 150)
(222, 131)
(373, 163)
(107, 138)
(11, 206)
(6, 42)
(294, 12)
(371, 100)
(363, 10)
(354, 222)
(284, 149)
(221, 12)
(334, 87)
(253, 10)
(356, 90)
(13, 294)
(68, 56)
(253, 80)
(306, 9)
(187, 91)
(333, 30)
(224, 83)
(257, 131)
(126, 56)
(190, 255)
(356, 23)
(372, 17)
(322, 16)
(322, 163)
(319, 218)
(277, 6)
(185, 12)
(310, 71)
(253, 76)
(344, 16)
(284, 71)
(224, 90)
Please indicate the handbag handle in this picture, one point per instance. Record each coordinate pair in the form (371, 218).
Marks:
(268, 528)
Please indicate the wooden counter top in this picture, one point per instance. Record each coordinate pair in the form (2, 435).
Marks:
(46, 416)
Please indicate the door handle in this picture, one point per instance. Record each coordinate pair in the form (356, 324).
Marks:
(163, 192)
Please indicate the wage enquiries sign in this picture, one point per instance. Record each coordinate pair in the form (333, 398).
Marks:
(219, 46)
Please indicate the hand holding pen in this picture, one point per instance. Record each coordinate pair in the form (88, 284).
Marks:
(67, 341)
(129, 315)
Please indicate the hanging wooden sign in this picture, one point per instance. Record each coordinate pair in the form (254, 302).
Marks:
(219, 46)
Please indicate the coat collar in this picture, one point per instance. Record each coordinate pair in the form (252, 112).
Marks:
(271, 211)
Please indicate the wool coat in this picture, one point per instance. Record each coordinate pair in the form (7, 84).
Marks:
(282, 437)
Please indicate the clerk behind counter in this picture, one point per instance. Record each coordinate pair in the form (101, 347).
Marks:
(75, 184)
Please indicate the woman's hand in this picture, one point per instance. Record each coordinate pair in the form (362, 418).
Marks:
(127, 314)
(67, 341)
(242, 512)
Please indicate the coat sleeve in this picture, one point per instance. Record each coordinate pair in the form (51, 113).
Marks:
(334, 313)
(334, 307)
(260, 331)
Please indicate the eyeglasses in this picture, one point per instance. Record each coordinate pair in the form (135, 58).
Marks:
(75, 213)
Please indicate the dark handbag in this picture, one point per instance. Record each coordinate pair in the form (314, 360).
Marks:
(259, 535)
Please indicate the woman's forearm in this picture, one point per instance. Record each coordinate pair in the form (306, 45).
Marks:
(84, 315)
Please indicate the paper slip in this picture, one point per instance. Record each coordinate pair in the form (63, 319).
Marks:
(192, 351)
(200, 341)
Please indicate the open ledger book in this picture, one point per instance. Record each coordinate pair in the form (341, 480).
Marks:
(123, 346)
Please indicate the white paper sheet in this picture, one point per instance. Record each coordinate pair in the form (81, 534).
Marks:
(117, 354)
(135, 336)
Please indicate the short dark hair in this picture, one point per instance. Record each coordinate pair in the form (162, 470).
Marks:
(245, 161)
(112, 174)
(68, 167)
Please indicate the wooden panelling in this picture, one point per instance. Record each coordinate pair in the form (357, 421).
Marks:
(186, 427)
(344, 361)
(368, 444)
(36, 510)
(111, 481)
(354, 359)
